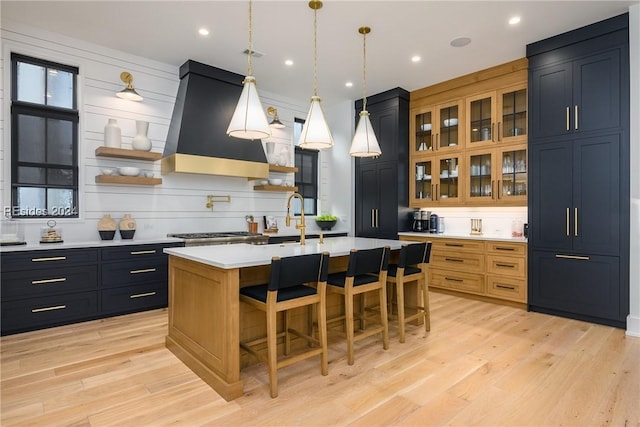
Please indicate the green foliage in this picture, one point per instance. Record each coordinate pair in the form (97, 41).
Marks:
(326, 217)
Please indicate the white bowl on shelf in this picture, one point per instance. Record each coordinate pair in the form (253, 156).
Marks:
(263, 182)
(108, 171)
(275, 181)
(425, 127)
(129, 171)
(450, 122)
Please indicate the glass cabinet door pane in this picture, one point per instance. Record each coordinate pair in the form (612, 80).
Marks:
(424, 180)
(514, 173)
(448, 178)
(480, 175)
(449, 126)
(514, 113)
(424, 137)
(480, 120)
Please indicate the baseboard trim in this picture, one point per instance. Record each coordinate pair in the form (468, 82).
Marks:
(633, 326)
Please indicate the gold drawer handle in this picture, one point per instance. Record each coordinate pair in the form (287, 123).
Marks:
(502, 248)
(44, 281)
(146, 294)
(53, 258)
(55, 307)
(499, 264)
(454, 259)
(583, 258)
(457, 245)
(453, 279)
(144, 270)
(511, 288)
(143, 252)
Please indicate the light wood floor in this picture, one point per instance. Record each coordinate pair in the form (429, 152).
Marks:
(481, 364)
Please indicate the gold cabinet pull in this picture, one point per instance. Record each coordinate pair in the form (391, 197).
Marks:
(567, 222)
(454, 259)
(55, 307)
(509, 287)
(567, 119)
(457, 245)
(373, 221)
(143, 252)
(575, 118)
(453, 279)
(52, 258)
(437, 195)
(493, 193)
(499, 192)
(575, 222)
(45, 281)
(493, 134)
(144, 270)
(437, 141)
(499, 133)
(499, 264)
(502, 248)
(146, 294)
(582, 258)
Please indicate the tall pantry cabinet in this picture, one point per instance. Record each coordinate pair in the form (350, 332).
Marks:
(579, 173)
(381, 188)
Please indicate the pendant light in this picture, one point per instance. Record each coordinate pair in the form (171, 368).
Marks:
(315, 132)
(365, 143)
(249, 120)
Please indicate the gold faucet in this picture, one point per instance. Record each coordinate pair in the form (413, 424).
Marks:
(300, 225)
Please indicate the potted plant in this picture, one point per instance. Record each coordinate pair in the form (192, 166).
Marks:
(326, 221)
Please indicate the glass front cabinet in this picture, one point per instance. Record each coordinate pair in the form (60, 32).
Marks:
(497, 175)
(438, 128)
(436, 180)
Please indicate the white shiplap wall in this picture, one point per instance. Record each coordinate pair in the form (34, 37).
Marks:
(178, 205)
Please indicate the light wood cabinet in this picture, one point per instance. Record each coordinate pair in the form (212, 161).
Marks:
(478, 125)
(491, 270)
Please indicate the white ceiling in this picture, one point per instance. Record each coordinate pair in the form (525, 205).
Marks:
(166, 31)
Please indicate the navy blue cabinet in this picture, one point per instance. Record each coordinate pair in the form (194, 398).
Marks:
(579, 173)
(381, 186)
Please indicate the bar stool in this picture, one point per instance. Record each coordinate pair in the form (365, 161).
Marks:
(411, 267)
(366, 271)
(290, 286)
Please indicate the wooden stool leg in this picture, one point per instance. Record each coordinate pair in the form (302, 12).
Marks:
(348, 308)
(384, 319)
(363, 312)
(287, 337)
(425, 302)
(322, 332)
(401, 313)
(272, 352)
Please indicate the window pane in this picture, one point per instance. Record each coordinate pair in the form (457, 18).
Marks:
(60, 202)
(30, 83)
(60, 142)
(31, 198)
(60, 177)
(31, 138)
(27, 175)
(59, 88)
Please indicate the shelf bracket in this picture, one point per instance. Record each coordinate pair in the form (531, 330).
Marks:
(220, 199)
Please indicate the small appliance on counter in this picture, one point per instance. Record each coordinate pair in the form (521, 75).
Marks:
(51, 233)
(416, 225)
(476, 226)
(424, 217)
(11, 232)
(433, 223)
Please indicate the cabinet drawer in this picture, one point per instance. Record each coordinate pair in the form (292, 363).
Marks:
(131, 252)
(34, 283)
(505, 265)
(132, 272)
(29, 314)
(16, 261)
(459, 281)
(134, 298)
(507, 288)
(458, 245)
(458, 261)
(510, 249)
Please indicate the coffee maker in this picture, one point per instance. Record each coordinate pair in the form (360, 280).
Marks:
(433, 223)
(417, 221)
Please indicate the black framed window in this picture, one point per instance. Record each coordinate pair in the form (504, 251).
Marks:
(307, 176)
(44, 139)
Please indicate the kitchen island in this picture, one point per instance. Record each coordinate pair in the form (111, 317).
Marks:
(206, 320)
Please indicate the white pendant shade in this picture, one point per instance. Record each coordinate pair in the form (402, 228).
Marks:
(315, 132)
(249, 120)
(365, 143)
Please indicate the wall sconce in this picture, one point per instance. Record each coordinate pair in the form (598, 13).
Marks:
(275, 123)
(128, 92)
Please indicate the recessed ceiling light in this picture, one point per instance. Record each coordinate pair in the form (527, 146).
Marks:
(203, 32)
(514, 20)
(460, 41)
(349, 84)
(288, 62)
(415, 58)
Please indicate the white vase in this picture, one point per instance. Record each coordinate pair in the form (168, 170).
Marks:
(272, 157)
(284, 156)
(141, 141)
(112, 134)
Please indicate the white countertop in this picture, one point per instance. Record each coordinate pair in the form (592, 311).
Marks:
(86, 244)
(500, 238)
(246, 255)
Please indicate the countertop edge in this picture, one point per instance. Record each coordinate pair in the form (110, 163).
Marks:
(86, 244)
(465, 236)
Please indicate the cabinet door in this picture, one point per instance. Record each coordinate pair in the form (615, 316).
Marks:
(551, 195)
(511, 166)
(385, 125)
(596, 91)
(512, 114)
(480, 176)
(587, 286)
(596, 201)
(448, 188)
(366, 200)
(449, 130)
(551, 100)
(481, 119)
(422, 181)
(387, 209)
(423, 130)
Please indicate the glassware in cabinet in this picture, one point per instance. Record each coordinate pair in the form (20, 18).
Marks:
(423, 181)
(513, 176)
(513, 125)
(447, 186)
(481, 119)
(448, 135)
(481, 178)
(424, 131)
